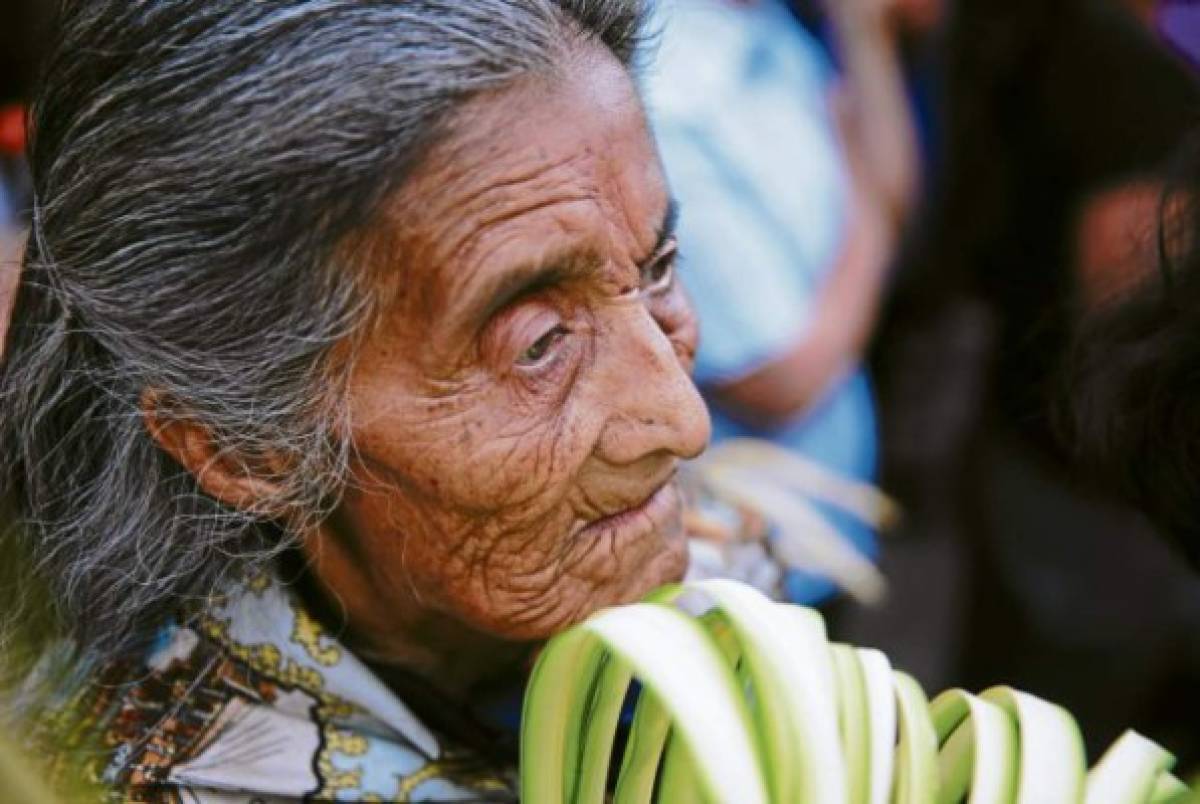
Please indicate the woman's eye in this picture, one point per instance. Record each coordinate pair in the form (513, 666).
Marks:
(658, 275)
(538, 350)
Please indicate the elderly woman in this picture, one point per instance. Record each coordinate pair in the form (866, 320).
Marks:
(348, 362)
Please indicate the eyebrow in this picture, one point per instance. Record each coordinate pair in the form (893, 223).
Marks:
(552, 270)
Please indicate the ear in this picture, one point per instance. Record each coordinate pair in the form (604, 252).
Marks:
(222, 475)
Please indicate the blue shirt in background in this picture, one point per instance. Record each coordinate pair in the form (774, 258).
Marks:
(739, 98)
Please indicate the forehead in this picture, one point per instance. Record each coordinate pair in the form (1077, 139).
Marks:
(549, 164)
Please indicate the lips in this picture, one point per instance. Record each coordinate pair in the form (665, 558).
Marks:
(654, 514)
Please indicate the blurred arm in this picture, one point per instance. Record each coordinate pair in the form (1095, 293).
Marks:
(879, 142)
(844, 314)
(877, 114)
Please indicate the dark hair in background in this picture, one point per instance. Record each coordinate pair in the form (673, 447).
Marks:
(1130, 397)
(26, 26)
(202, 170)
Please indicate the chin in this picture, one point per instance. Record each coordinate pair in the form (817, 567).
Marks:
(576, 603)
(668, 565)
(672, 565)
(623, 567)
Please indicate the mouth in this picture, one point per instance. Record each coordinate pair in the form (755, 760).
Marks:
(656, 513)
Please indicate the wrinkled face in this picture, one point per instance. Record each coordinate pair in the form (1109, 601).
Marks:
(521, 412)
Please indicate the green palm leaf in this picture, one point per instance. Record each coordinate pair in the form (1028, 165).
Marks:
(744, 700)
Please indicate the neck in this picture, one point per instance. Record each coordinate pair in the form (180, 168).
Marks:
(409, 639)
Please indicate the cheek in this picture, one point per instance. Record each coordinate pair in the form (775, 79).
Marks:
(486, 450)
(466, 498)
(472, 509)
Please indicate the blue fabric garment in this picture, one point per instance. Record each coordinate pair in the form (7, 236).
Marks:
(739, 98)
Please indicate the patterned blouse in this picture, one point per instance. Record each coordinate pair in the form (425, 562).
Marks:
(255, 702)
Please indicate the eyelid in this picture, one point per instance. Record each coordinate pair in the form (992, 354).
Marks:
(668, 249)
(669, 254)
(559, 331)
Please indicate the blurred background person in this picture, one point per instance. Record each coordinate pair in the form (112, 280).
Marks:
(1128, 399)
(1057, 119)
(794, 180)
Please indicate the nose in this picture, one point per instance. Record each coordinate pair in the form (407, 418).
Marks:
(653, 404)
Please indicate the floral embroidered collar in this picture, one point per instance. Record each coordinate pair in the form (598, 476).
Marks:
(254, 701)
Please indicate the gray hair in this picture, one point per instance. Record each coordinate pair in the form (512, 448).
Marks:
(199, 167)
